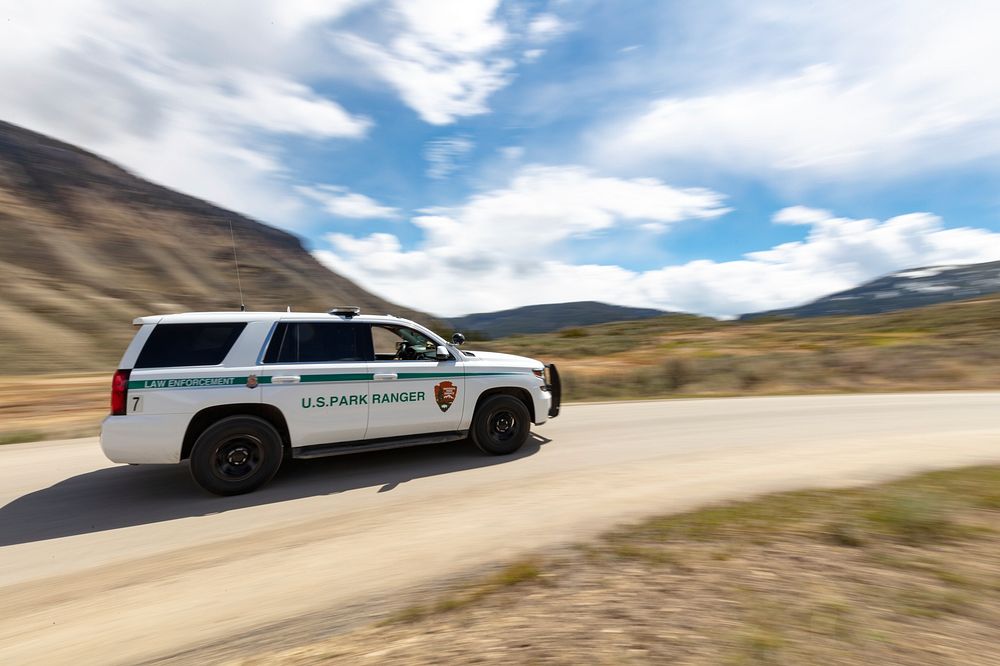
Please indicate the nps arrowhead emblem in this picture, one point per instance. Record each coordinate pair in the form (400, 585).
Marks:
(445, 394)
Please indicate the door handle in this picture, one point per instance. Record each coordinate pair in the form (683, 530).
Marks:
(385, 376)
(286, 379)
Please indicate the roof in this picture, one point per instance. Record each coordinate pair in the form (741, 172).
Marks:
(208, 317)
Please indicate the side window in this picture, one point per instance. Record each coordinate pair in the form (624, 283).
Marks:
(398, 343)
(385, 342)
(317, 342)
(177, 345)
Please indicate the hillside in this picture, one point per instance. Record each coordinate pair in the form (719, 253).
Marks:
(911, 288)
(88, 246)
(945, 346)
(545, 318)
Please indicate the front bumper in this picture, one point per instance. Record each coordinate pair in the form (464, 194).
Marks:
(142, 439)
(543, 404)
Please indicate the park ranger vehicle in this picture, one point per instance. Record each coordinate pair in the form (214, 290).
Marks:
(235, 393)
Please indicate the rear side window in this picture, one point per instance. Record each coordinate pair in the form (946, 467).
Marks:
(318, 342)
(175, 345)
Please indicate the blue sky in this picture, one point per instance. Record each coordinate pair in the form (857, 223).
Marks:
(719, 158)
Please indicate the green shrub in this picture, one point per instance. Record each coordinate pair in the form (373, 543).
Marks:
(915, 518)
(573, 333)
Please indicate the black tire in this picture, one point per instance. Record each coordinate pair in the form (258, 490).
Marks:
(501, 425)
(236, 455)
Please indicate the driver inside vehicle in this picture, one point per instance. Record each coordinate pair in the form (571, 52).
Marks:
(398, 343)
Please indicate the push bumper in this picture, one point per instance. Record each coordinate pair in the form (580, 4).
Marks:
(554, 386)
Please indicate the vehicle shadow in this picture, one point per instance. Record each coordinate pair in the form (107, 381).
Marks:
(126, 496)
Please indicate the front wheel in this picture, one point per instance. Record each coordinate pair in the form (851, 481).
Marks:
(236, 455)
(501, 425)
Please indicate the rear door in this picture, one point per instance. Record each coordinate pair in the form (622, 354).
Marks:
(412, 392)
(316, 373)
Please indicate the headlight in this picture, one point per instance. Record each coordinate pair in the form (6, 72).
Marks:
(539, 373)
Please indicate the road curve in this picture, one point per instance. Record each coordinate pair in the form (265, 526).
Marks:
(102, 563)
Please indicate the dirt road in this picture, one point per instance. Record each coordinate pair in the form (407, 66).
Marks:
(102, 563)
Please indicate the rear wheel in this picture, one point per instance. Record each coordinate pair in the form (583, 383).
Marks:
(236, 455)
(501, 425)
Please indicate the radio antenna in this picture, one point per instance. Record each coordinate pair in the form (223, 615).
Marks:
(239, 282)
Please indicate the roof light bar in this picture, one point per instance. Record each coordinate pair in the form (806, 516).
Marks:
(346, 311)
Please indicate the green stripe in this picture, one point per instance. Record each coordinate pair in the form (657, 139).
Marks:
(368, 376)
(493, 374)
(436, 375)
(357, 377)
(426, 375)
(223, 382)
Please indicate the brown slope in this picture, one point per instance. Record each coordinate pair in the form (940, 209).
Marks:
(86, 247)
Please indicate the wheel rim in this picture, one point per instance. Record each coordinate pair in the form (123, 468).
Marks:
(238, 457)
(503, 425)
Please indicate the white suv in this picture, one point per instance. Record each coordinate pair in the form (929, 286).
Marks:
(236, 392)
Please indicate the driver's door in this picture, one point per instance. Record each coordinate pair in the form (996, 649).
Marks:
(411, 392)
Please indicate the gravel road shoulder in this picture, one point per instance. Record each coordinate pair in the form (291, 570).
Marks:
(905, 572)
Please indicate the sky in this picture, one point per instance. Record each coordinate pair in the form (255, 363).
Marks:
(463, 156)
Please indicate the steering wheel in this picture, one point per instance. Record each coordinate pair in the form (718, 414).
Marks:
(405, 352)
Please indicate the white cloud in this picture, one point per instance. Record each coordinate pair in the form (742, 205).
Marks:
(202, 96)
(545, 27)
(512, 152)
(800, 215)
(505, 242)
(443, 58)
(874, 91)
(281, 106)
(507, 248)
(192, 95)
(341, 202)
(531, 55)
(455, 26)
(439, 86)
(445, 155)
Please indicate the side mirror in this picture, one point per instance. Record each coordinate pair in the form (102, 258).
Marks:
(457, 339)
(442, 353)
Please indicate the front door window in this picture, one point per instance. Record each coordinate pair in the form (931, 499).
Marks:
(399, 343)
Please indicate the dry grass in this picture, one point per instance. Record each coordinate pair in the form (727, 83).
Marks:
(906, 572)
(52, 406)
(509, 576)
(940, 347)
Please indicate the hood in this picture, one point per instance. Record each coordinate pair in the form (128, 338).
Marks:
(505, 359)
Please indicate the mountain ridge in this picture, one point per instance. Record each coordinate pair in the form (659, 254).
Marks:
(88, 246)
(900, 290)
(544, 318)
